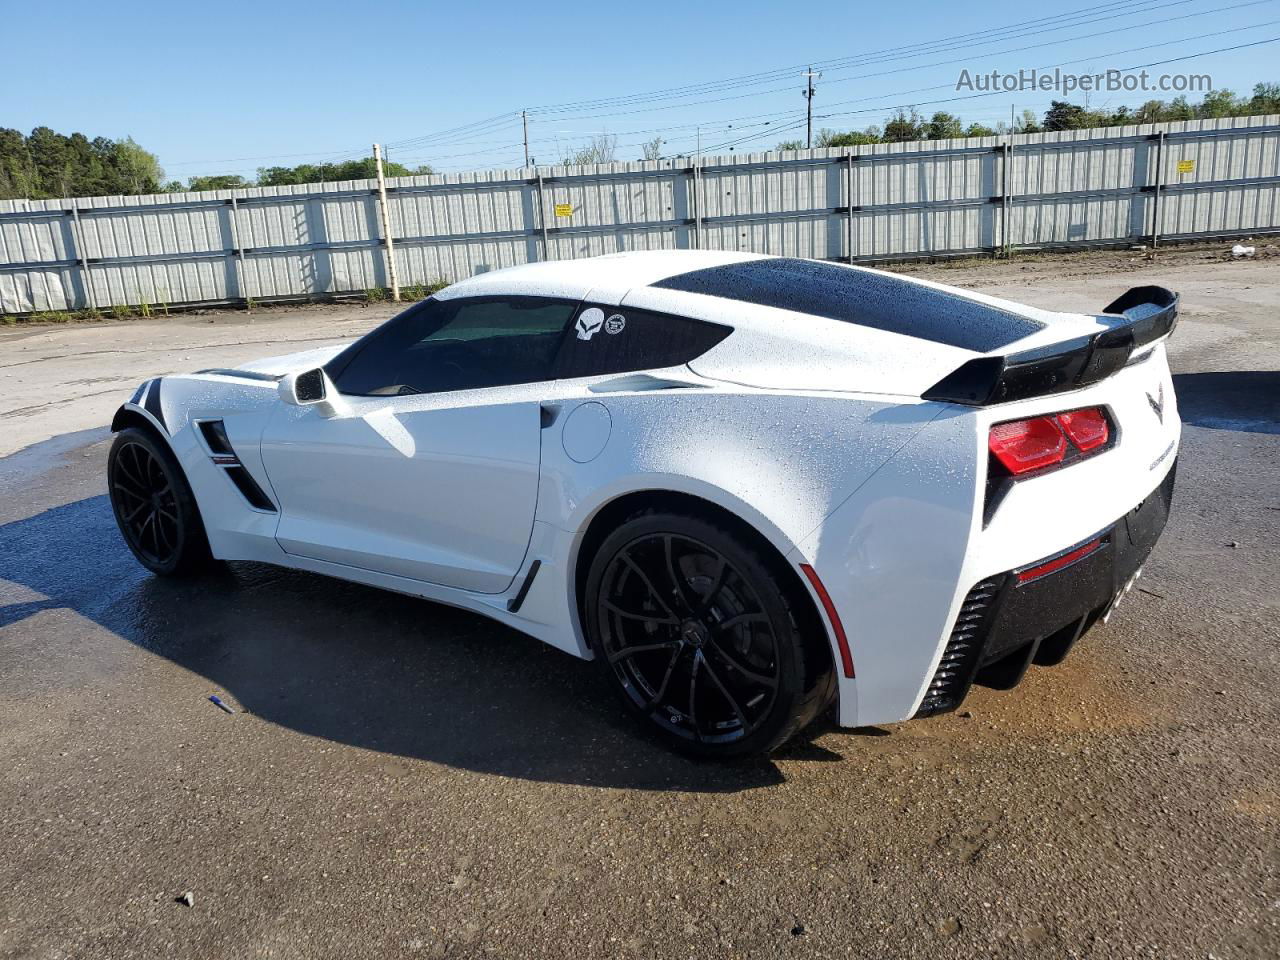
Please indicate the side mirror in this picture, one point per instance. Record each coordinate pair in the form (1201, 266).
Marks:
(311, 388)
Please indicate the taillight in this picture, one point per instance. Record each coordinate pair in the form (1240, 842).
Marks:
(1026, 446)
(1088, 429)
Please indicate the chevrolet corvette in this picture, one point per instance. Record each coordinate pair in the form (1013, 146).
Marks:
(751, 488)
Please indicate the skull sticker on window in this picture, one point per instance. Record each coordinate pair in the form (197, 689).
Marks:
(589, 323)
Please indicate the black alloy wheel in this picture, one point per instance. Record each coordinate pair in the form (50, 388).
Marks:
(699, 636)
(153, 505)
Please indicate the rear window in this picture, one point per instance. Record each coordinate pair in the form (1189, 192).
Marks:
(863, 297)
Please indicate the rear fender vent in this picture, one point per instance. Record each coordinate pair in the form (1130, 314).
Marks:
(960, 658)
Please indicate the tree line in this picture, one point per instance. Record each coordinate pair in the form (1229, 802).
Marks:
(46, 164)
(908, 125)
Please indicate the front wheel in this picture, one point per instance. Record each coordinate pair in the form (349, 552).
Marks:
(154, 506)
(701, 632)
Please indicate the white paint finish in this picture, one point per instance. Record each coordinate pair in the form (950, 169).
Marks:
(829, 456)
(443, 492)
(575, 279)
(901, 554)
(586, 431)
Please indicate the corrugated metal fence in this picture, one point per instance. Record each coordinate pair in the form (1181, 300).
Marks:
(880, 202)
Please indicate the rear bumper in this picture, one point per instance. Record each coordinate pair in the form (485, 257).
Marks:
(1035, 614)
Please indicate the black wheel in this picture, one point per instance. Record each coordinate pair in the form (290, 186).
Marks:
(154, 508)
(699, 630)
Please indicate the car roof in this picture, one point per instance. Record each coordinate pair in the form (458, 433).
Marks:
(598, 276)
(798, 323)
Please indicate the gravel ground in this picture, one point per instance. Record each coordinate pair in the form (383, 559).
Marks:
(403, 779)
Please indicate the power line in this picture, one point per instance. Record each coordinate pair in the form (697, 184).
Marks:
(886, 55)
(473, 133)
(781, 72)
(974, 96)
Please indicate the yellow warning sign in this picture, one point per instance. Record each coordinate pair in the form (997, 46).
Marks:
(1186, 166)
(564, 209)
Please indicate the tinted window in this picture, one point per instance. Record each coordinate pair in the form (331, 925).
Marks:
(865, 297)
(622, 340)
(455, 345)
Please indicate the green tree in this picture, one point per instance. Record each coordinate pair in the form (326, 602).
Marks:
(850, 138)
(942, 126)
(1062, 115)
(1266, 98)
(17, 167)
(362, 169)
(979, 130)
(1027, 123)
(902, 127)
(217, 181)
(138, 170)
(1218, 103)
(790, 145)
(1178, 109)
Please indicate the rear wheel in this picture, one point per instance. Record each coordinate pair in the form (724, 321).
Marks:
(699, 631)
(154, 506)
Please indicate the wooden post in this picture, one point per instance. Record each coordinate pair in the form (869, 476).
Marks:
(387, 240)
(242, 275)
(542, 219)
(697, 203)
(849, 221)
(1155, 207)
(1006, 175)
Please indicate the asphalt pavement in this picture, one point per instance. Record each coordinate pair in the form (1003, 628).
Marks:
(404, 779)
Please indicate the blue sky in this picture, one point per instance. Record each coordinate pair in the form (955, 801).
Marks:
(229, 88)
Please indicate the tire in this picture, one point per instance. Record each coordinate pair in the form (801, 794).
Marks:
(153, 505)
(703, 634)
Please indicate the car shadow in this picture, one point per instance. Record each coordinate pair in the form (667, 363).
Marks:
(1243, 400)
(361, 666)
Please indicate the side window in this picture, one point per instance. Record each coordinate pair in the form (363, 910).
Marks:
(607, 340)
(462, 344)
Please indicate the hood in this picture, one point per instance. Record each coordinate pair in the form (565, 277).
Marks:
(295, 362)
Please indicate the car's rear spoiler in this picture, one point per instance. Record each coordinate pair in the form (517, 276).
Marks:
(1150, 314)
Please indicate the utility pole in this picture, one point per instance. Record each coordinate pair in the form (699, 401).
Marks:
(524, 119)
(386, 224)
(808, 97)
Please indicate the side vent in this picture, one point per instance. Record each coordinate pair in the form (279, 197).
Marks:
(249, 488)
(215, 435)
(224, 455)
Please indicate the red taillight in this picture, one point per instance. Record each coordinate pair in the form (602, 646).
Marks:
(1026, 445)
(1087, 429)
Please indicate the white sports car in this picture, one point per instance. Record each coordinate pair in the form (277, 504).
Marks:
(748, 486)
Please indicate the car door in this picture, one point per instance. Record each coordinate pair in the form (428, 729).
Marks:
(426, 464)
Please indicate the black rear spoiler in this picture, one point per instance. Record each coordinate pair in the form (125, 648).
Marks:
(1149, 314)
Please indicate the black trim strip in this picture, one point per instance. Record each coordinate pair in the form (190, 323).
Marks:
(152, 404)
(516, 602)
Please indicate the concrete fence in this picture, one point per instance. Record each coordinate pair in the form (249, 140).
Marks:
(884, 202)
